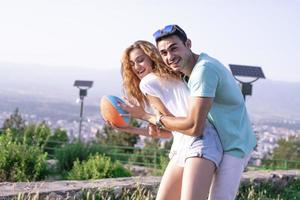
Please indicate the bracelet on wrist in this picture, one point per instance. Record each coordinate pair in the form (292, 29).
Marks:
(159, 123)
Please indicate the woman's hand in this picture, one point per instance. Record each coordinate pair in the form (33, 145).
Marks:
(135, 110)
(152, 130)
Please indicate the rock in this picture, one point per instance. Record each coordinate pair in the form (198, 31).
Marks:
(51, 190)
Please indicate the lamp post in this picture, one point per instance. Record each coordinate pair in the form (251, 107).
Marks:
(83, 86)
(246, 71)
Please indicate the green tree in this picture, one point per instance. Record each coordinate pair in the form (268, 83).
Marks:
(113, 137)
(285, 156)
(287, 149)
(15, 121)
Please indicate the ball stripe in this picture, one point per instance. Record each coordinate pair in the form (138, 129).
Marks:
(111, 111)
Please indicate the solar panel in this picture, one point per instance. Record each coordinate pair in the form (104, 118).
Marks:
(79, 83)
(249, 71)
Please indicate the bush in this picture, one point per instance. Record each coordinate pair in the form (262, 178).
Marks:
(97, 167)
(163, 162)
(76, 151)
(37, 134)
(81, 151)
(70, 153)
(57, 140)
(20, 162)
(34, 134)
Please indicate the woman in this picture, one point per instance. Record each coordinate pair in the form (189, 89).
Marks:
(147, 81)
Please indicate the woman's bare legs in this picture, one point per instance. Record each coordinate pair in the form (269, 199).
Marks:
(170, 185)
(197, 177)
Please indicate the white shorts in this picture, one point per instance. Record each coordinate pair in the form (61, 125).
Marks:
(207, 146)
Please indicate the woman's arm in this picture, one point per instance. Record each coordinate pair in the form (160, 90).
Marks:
(149, 131)
(157, 104)
(192, 124)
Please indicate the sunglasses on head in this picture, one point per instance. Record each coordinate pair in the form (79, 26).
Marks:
(167, 30)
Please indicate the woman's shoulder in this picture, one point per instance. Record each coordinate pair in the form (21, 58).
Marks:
(150, 84)
(150, 76)
(149, 79)
(155, 80)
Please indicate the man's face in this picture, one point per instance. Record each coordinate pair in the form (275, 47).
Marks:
(174, 52)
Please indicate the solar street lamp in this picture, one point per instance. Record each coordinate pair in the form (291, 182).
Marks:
(83, 86)
(246, 71)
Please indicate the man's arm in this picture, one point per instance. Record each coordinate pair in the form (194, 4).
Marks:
(193, 124)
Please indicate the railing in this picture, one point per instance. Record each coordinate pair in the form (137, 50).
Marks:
(274, 164)
(149, 157)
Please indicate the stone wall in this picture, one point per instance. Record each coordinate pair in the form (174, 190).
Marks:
(73, 189)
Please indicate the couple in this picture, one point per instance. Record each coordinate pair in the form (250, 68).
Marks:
(199, 104)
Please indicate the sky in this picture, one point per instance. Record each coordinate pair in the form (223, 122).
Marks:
(92, 34)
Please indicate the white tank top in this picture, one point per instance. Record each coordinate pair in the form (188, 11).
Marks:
(174, 94)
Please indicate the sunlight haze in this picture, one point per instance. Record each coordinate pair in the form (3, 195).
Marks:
(92, 34)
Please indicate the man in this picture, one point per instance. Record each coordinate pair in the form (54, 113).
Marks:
(214, 95)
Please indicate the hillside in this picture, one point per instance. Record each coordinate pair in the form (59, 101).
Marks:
(27, 85)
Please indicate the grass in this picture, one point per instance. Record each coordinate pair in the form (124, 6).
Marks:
(264, 191)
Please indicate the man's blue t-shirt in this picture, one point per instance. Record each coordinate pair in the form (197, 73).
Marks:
(228, 113)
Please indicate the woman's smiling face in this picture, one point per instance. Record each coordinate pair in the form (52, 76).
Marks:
(140, 62)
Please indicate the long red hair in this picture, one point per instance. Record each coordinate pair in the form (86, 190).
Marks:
(131, 81)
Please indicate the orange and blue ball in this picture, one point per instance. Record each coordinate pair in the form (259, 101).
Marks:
(110, 111)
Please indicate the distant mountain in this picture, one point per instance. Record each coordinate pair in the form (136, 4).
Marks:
(275, 99)
(56, 84)
(42, 85)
